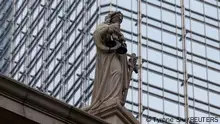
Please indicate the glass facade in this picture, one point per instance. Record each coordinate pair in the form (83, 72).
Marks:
(49, 46)
(6, 24)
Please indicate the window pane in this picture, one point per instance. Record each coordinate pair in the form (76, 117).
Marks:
(214, 98)
(170, 84)
(126, 24)
(199, 71)
(170, 61)
(154, 56)
(197, 27)
(212, 32)
(125, 4)
(171, 108)
(198, 49)
(153, 11)
(213, 54)
(200, 94)
(198, 7)
(210, 11)
(169, 39)
(168, 17)
(155, 79)
(154, 33)
(213, 76)
(155, 103)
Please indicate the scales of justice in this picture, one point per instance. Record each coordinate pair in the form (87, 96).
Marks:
(113, 72)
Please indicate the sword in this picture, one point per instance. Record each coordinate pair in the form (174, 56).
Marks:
(132, 67)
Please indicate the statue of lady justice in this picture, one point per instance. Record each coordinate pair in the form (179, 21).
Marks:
(113, 71)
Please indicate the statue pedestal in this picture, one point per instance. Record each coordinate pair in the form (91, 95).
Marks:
(115, 114)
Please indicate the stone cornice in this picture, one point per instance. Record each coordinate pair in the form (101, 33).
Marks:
(30, 97)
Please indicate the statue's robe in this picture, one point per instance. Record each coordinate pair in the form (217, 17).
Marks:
(111, 76)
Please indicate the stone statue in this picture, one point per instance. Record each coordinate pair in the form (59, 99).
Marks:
(113, 71)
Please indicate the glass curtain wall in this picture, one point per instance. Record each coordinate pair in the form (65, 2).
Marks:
(52, 50)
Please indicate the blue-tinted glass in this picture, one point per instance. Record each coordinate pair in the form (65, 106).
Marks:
(211, 11)
(199, 71)
(197, 27)
(170, 61)
(198, 49)
(212, 76)
(212, 32)
(168, 17)
(125, 4)
(198, 7)
(170, 84)
(174, 110)
(154, 33)
(155, 56)
(153, 12)
(155, 102)
(169, 38)
(200, 94)
(213, 99)
(213, 54)
(155, 79)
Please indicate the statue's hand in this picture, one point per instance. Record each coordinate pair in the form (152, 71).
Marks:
(114, 30)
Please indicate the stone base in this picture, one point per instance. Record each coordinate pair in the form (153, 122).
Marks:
(115, 114)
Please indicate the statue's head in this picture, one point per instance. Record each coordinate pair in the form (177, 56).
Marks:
(114, 17)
